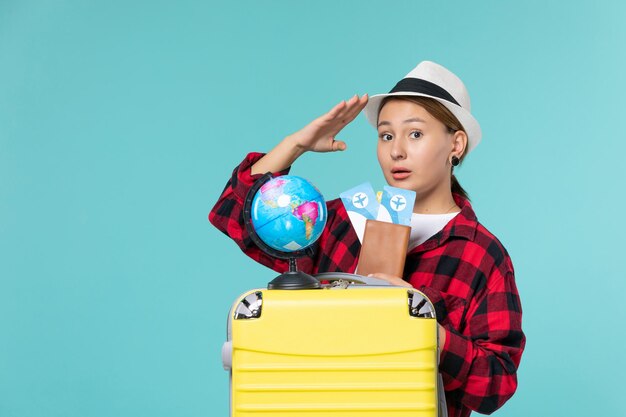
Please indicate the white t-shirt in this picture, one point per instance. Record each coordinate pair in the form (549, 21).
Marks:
(424, 226)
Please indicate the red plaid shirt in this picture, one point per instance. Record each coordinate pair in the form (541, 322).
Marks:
(463, 269)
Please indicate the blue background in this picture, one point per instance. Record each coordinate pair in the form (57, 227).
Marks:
(120, 123)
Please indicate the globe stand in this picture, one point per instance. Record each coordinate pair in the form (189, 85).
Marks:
(289, 280)
(293, 279)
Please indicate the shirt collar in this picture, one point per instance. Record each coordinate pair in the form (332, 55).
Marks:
(463, 225)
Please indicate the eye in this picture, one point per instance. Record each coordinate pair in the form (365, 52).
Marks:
(416, 134)
(385, 137)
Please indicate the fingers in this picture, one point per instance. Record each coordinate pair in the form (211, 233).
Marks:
(353, 106)
(391, 279)
(356, 108)
(347, 110)
(336, 110)
(339, 145)
(384, 276)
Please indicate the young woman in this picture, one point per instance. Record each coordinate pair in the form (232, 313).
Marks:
(425, 129)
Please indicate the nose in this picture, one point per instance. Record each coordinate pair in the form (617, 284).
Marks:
(398, 151)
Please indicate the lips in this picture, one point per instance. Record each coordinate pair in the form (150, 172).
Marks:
(400, 173)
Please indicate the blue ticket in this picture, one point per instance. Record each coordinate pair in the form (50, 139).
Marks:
(361, 200)
(398, 203)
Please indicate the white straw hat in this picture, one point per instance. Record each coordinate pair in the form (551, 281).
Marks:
(429, 79)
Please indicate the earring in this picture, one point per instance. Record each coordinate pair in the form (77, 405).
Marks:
(455, 161)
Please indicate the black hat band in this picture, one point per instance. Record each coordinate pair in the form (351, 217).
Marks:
(417, 85)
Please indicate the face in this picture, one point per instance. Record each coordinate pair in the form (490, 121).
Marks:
(413, 147)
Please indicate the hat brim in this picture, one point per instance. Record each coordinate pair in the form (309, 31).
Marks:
(470, 124)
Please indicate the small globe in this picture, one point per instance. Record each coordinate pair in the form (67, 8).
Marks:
(288, 213)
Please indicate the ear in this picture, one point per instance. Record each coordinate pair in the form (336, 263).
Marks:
(459, 143)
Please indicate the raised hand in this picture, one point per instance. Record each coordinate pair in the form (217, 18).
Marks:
(320, 134)
(317, 136)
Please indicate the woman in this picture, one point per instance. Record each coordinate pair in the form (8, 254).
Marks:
(425, 129)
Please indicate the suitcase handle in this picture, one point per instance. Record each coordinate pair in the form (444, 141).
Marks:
(360, 279)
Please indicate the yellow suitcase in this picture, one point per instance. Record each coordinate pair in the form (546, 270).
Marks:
(348, 349)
